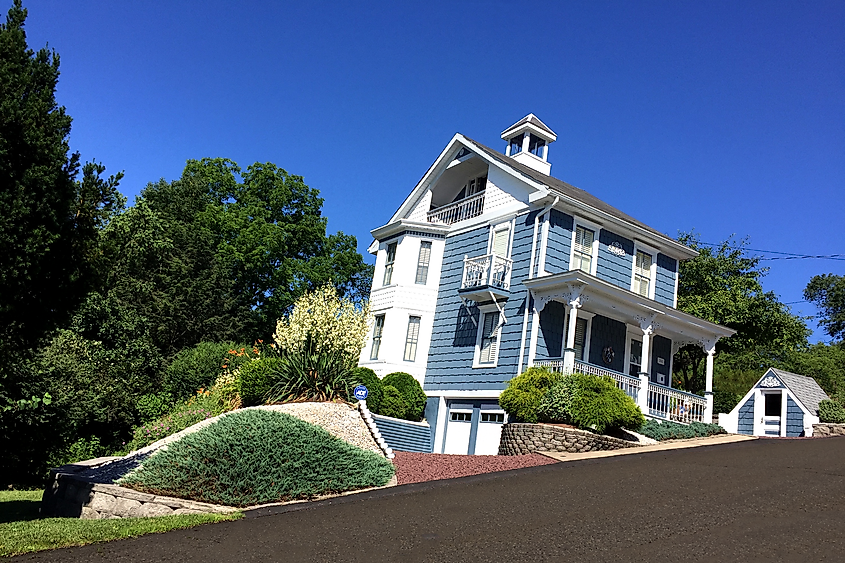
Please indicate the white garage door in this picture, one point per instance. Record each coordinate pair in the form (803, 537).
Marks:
(458, 429)
(489, 432)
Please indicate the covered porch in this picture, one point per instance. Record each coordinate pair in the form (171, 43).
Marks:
(581, 323)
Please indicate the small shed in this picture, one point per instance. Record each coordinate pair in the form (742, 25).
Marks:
(780, 404)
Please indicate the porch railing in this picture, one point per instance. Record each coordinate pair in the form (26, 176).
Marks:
(677, 406)
(630, 385)
(490, 269)
(466, 208)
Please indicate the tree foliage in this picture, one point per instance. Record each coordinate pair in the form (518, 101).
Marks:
(827, 293)
(723, 285)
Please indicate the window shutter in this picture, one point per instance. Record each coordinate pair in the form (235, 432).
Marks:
(422, 263)
(500, 242)
(580, 338)
(489, 342)
(584, 241)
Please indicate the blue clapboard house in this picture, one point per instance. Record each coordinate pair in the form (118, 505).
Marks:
(491, 265)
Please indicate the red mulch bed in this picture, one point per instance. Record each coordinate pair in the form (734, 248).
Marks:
(416, 468)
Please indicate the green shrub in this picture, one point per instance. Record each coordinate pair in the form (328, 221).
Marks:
(256, 378)
(411, 391)
(831, 411)
(197, 368)
(393, 403)
(255, 456)
(185, 414)
(154, 405)
(598, 404)
(725, 401)
(311, 374)
(525, 392)
(557, 402)
(673, 431)
(369, 379)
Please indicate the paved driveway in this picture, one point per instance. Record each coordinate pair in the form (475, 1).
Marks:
(765, 500)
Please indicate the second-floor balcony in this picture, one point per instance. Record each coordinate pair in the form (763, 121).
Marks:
(460, 210)
(488, 273)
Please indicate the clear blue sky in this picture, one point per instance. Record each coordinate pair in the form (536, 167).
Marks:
(723, 117)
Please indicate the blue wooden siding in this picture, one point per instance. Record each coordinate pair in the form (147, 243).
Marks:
(454, 334)
(607, 332)
(559, 243)
(550, 338)
(745, 420)
(664, 286)
(432, 409)
(403, 435)
(661, 347)
(794, 418)
(612, 268)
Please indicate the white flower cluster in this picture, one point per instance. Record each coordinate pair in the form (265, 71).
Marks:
(333, 323)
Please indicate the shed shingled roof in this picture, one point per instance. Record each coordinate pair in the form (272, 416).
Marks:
(805, 388)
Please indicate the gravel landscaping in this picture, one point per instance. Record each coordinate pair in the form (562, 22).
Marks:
(417, 468)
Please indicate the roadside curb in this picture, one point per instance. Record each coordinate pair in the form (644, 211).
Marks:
(663, 446)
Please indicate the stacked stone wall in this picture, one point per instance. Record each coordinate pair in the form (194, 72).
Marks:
(828, 429)
(522, 438)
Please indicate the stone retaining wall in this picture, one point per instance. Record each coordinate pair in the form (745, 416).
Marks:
(70, 496)
(828, 429)
(522, 438)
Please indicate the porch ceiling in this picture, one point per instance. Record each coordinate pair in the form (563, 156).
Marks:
(602, 297)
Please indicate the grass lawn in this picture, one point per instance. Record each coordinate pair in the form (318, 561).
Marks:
(21, 531)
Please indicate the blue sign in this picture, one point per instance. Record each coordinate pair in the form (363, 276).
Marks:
(360, 392)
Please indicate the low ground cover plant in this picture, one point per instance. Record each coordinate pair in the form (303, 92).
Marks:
(673, 431)
(228, 462)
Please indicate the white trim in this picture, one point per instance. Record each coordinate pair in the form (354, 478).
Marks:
(677, 278)
(482, 311)
(456, 395)
(651, 251)
(596, 228)
(440, 428)
(544, 243)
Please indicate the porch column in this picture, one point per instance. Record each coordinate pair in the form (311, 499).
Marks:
(710, 348)
(569, 351)
(647, 326)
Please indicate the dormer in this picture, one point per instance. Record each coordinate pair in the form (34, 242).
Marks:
(528, 143)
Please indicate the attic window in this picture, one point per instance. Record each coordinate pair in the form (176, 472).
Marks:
(516, 145)
(535, 145)
(463, 152)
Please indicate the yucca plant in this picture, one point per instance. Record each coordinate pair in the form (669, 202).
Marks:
(307, 374)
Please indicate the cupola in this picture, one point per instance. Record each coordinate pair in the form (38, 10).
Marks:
(528, 143)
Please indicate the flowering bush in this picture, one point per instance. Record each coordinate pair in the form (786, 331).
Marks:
(332, 323)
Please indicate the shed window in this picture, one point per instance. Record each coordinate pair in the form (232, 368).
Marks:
(461, 416)
(492, 417)
(773, 404)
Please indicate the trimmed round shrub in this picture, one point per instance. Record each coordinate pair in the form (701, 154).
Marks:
(599, 405)
(256, 378)
(256, 456)
(369, 379)
(196, 368)
(831, 411)
(393, 403)
(525, 392)
(557, 402)
(411, 391)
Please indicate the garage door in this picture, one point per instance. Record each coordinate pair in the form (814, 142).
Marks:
(458, 429)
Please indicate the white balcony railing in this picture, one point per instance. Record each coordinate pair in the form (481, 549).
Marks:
(488, 270)
(677, 406)
(466, 208)
(630, 385)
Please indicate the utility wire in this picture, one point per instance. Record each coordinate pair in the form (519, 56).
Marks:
(785, 255)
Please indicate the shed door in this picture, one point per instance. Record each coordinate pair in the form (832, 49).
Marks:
(772, 414)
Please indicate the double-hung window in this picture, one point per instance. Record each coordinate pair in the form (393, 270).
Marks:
(489, 338)
(388, 263)
(582, 255)
(378, 329)
(642, 273)
(423, 261)
(412, 338)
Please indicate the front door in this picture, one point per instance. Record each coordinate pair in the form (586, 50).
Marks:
(772, 414)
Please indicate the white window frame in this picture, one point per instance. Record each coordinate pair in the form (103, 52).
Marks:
(498, 227)
(640, 247)
(420, 264)
(380, 336)
(578, 222)
(392, 265)
(587, 333)
(416, 343)
(633, 333)
(484, 310)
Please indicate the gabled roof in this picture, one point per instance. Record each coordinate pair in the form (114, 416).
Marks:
(532, 120)
(804, 388)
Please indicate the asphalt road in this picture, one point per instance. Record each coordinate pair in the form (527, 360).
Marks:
(764, 500)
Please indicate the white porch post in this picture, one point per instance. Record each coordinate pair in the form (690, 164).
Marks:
(647, 326)
(710, 348)
(526, 138)
(569, 351)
